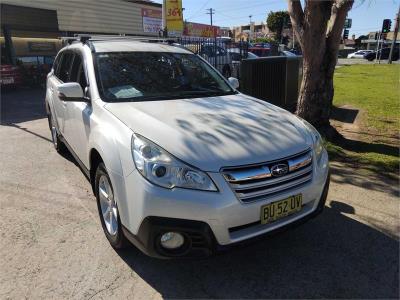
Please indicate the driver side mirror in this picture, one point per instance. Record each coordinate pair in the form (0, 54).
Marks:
(71, 91)
(234, 82)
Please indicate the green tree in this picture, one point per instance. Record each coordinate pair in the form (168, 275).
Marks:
(277, 21)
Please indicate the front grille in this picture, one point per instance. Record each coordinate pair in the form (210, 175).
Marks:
(255, 182)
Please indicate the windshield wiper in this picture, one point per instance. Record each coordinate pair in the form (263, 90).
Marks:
(206, 93)
(179, 95)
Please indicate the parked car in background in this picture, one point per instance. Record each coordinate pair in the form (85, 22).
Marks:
(10, 76)
(215, 54)
(359, 54)
(180, 162)
(262, 45)
(287, 53)
(296, 51)
(260, 51)
(237, 54)
(382, 54)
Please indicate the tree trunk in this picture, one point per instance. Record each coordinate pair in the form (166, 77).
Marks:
(318, 30)
(315, 97)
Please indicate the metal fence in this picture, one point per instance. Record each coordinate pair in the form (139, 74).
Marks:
(225, 56)
(274, 79)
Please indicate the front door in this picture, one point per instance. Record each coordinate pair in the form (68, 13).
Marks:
(77, 127)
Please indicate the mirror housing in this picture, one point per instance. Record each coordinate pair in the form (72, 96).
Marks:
(234, 82)
(71, 91)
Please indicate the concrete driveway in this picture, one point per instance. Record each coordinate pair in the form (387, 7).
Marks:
(52, 245)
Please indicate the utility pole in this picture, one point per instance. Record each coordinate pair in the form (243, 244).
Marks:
(210, 12)
(250, 33)
(377, 46)
(396, 30)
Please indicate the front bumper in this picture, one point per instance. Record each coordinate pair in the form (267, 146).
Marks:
(202, 240)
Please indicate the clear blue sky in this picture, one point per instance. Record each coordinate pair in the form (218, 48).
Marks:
(367, 15)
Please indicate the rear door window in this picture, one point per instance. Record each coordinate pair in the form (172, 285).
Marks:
(78, 72)
(65, 67)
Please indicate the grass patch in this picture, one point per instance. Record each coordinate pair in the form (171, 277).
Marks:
(376, 162)
(375, 89)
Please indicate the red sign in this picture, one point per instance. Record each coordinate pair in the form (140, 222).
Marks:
(200, 30)
(152, 13)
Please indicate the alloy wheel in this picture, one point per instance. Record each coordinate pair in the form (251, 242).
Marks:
(109, 211)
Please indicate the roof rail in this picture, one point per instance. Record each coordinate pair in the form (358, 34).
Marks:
(93, 37)
(89, 38)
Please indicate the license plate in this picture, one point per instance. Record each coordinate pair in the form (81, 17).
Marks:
(7, 80)
(282, 208)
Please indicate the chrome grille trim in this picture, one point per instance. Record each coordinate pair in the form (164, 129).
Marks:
(286, 186)
(249, 174)
(251, 183)
(275, 180)
(299, 161)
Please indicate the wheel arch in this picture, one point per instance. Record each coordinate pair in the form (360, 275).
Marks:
(94, 160)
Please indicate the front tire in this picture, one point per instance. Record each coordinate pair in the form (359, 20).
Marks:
(108, 209)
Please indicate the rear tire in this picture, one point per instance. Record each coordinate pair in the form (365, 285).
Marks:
(55, 136)
(108, 209)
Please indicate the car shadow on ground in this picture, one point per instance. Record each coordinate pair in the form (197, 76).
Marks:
(331, 256)
(22, 105)
(369, 178)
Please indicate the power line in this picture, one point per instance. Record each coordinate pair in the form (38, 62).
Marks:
(237, 18)
(264, 3)
(199, 10)
(257, 5)
(244, 5)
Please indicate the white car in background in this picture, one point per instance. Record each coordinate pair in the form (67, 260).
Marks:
(359, 54)
(180, 162)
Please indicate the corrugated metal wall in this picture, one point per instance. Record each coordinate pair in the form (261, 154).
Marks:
(105, 16)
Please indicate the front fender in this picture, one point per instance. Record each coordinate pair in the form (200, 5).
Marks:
(112, 140)
(113, 143)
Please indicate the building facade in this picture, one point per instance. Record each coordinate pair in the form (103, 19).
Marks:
(251, 31)
(372, 42)
(37, 24)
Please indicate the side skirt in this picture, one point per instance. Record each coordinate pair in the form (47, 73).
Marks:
(83, 168)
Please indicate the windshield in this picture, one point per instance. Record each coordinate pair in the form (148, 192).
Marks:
(140, 76)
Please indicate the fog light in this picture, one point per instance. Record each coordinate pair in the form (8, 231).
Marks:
(172, 240)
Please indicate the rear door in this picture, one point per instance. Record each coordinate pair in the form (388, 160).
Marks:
(61, 75)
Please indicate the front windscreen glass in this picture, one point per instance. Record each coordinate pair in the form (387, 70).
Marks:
(141, 76)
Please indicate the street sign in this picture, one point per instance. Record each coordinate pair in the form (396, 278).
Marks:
(173, 16)
(347, 23)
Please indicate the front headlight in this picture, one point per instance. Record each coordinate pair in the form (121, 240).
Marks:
(316, 139)
(161, 168)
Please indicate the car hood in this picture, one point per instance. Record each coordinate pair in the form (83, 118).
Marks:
(214, 132)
